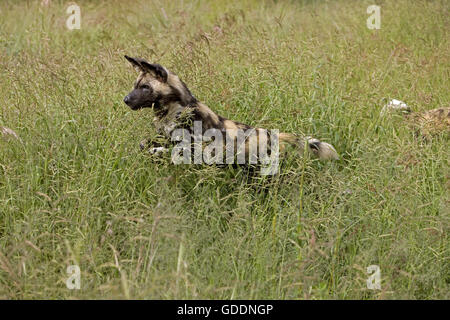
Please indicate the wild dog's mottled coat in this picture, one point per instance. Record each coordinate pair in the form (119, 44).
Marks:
(431, 122)
(176, 107)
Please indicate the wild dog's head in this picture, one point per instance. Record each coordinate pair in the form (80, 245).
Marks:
(156, 86)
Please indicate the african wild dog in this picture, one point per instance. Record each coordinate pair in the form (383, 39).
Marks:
(425, 124)
(176, 107)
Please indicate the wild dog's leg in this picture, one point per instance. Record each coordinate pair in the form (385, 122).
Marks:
(155, 146)
(161, 142)
(320, 149)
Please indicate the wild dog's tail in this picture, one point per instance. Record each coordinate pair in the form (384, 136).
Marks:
(320, 149)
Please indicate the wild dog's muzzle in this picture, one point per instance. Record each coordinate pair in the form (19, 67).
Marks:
(132, 102)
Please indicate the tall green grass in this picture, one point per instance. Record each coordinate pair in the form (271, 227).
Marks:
(75, 189)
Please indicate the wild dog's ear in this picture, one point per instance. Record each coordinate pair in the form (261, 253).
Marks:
(135, 63)
(157, 69)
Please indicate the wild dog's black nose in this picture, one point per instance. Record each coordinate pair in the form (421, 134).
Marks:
(126, 99)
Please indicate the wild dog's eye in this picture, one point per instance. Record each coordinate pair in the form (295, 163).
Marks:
(146, 87)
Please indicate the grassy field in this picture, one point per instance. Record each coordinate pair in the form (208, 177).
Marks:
(76, 190)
